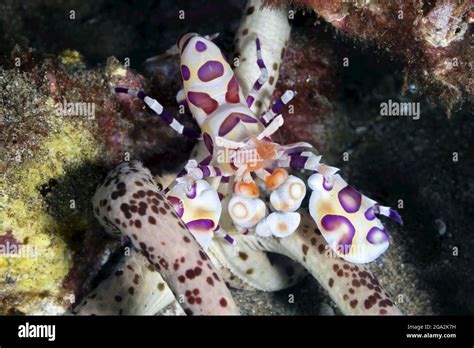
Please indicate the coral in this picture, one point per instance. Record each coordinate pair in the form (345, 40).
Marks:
(429, 37)
(50, 165)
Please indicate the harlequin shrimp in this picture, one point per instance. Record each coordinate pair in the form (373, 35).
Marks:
(243, 164)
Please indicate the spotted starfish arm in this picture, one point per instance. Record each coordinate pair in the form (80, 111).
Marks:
(135, 287)
(245, 268)
(272, 28)
(352, 287)
(129, 204)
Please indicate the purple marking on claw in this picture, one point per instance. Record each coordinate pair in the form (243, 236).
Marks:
(192, 194)
(350, 199)
(200, 46)
(185, 72)
(335, 222)
(377, 236)
(210, 70)
(177, 205)
(201, 225)
(395, 216)
(370, 214)
(327, 185)
(218, 171)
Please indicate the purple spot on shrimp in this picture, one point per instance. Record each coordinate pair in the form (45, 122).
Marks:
(228, 124)
(208, 142)
(192, 193)
(332, 223)
(200, 46)
(232, 120)
(250, 100)
(177, 205)
(201, 225)
(210, 70)
(298, 162)
(377, 236)
(232, 95)
(370, 214)
(328, 185)
(245, 118)
(185, 72)
(203, 101)
(350, 199)
(395, 216)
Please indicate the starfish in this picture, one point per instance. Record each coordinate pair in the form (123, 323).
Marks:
(129, 203)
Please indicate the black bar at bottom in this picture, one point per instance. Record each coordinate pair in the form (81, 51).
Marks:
(136, 330)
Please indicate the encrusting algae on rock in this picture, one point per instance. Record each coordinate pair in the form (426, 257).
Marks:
(44, 259)
(51, 163)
